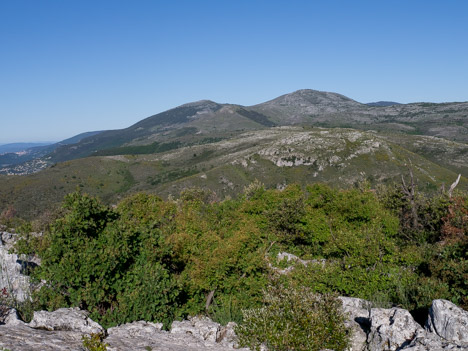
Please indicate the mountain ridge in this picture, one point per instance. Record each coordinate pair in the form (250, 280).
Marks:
(302, 107)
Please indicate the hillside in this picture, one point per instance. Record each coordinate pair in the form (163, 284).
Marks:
(310, 107)
(203, 121)
(304, 137)
(31, 159)
(276, 156)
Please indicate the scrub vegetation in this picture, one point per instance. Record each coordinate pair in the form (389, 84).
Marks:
(159, 260)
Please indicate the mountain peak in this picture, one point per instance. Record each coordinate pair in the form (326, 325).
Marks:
(201, 104)
(310, 97)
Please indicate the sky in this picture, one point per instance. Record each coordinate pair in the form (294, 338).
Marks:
(68, 67)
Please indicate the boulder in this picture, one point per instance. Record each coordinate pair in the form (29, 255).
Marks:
(391, 329)
(448, 321)
(66, 319)
(357, 311)
(202, 328)
(426, 341)
(23, 338)
(13, 283)
(9, 316)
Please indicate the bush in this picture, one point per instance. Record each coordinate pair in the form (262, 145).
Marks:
(113, 263)
(295, 319)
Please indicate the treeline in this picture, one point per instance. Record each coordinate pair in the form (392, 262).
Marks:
(155, 260)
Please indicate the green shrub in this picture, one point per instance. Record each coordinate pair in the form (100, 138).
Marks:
(94, 342)
(295, 319)
(113, 263)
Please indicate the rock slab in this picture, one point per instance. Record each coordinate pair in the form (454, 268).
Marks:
(66, 319)
(448, 321)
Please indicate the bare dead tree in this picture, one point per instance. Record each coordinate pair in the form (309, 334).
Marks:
(410, 194)
(209, 299)
(452, 187)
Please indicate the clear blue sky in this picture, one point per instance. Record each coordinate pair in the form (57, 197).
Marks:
(68, 67)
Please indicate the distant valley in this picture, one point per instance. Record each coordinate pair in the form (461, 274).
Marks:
(303, 137)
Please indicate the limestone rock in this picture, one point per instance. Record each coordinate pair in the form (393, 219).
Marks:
(227, 335)
(185, 336)
(9, 316)
(426, 341)
(448, 322)
(358, 320)
(12, 279)
(67, 319)
(23, 338)
(200, 327)
(391, 329)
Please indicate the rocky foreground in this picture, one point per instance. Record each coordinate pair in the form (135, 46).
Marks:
(373, 329)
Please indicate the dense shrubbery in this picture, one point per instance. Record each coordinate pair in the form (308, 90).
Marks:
(158, 260)
(295, 319)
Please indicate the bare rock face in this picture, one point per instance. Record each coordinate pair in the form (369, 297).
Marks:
(200, 327)
(61, 330)
(24, 338)
(425, 341)
(13, 282)
(391, 329)
(193, 335)
(448, 321)
(358, 313)
(9, 316)
(206, 330)
(379, 329)
(66, 319)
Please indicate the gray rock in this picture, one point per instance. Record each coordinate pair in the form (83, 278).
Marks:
(358, 321)
(200, 327)
(426, 341)
(184, 336)
(23, 338)
(448, 322)
(391, 329)
(65, 319)
(9, 316)
(12, 279)
(227, 335)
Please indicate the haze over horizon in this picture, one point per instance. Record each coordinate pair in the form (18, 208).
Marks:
(72, 67)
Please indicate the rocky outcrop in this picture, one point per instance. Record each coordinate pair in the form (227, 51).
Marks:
(13, 283)
(373, 329)
(448, 321)
(191, 335)
(391, 329)
(376, 329)
(63, 330)
(358, 321)
(69, 319)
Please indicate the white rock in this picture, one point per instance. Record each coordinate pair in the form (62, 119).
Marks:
(448, 322)
(69, 319)
(391, 329)
(200, 327)
(426, 341)
(9, 316)
(358, 320)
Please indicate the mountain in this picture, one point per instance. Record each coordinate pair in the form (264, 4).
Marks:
(276, 156)
(201, 121)
(18, 147)
(30, 160)
(383, 103)
(305, 136)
